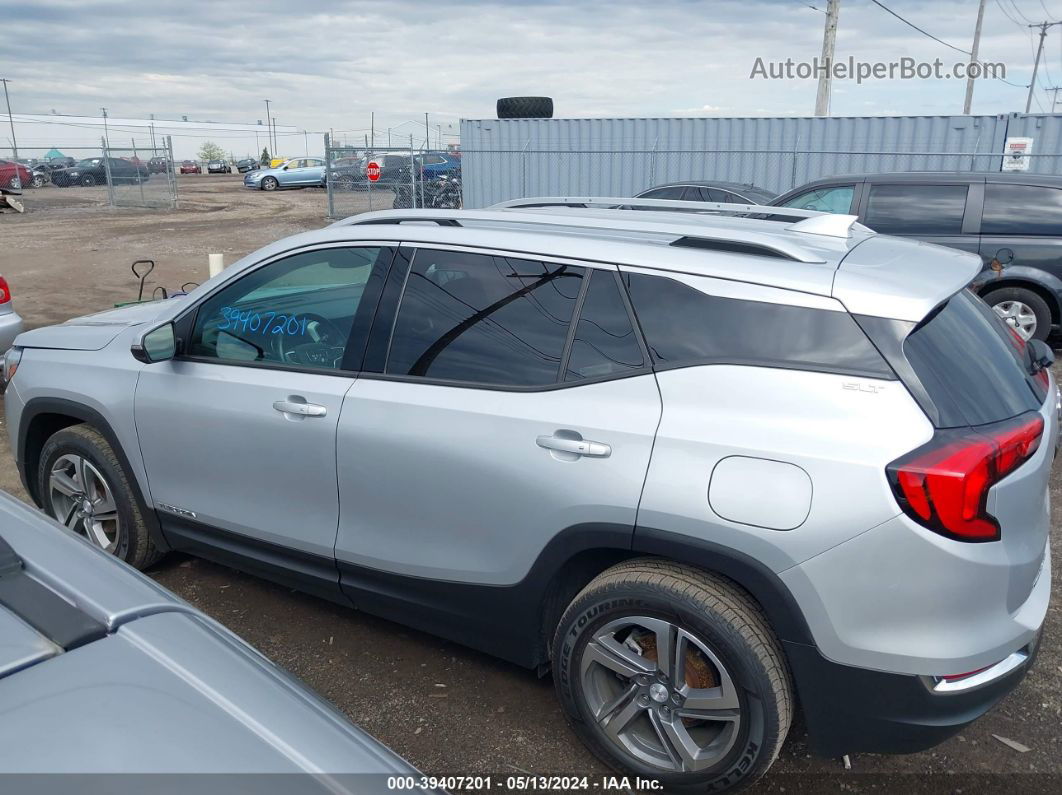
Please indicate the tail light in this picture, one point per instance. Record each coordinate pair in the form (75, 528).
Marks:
(5, 291)
(944, 484)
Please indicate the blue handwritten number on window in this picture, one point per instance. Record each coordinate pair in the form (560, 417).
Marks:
(256, 323)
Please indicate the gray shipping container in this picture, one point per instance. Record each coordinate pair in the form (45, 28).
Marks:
(512, 158)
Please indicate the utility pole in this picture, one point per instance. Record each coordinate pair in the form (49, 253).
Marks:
(829, 37)
(106, 134)
(269, 129)
(1043, 26)
(427, 133)
(973, 58)
(10, 120)
(372, 127)
(1054, 97)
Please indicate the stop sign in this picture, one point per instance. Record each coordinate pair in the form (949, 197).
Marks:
(372, 170)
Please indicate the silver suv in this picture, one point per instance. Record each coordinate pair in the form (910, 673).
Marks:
(703, 467)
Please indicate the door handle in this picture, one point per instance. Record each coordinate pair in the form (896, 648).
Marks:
(580, 446)
(299, 409)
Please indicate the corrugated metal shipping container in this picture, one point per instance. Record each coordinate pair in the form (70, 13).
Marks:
(510, 158)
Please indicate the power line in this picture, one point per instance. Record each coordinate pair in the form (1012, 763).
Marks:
(920, 30)
(952, 46)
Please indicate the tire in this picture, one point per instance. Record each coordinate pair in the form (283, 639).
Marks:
(127, 533)
(38, 181)
(270, 183)
(525, 108)
(728, 644)
(1019, 307)
(14, 183)
(88, 181)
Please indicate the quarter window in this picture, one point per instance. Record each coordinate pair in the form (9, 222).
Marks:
(833, 199)
(684, 326)
(605, 343)
(297, 311)
(483, 319)
(916, 209)
(1022, 210)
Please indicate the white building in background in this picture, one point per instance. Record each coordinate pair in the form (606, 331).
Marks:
(79, 136)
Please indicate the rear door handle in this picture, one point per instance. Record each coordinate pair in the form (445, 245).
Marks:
(582, 447)
(300, 409)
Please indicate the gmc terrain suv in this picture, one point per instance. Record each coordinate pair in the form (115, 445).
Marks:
(704, 468)
(1012, 220)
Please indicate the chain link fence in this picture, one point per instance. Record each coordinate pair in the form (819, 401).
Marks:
(115, 176)
(362, 179)
(140, 176)
(491, 176)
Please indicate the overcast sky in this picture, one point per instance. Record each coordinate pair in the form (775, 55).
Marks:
(328, 64)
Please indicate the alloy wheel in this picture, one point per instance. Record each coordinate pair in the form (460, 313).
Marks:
(659, 693)
(1019, 317)
(83, 500)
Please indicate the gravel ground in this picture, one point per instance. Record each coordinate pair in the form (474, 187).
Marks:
(446, 708)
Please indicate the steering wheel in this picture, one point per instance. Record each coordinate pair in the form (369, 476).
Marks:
(321, 344)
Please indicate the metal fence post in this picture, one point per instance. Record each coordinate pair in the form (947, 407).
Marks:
(171, 171)
(329, 184)
(139, 176)
(107, 172)
(412, 176)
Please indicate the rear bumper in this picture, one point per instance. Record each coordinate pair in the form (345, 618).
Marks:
(849, 710)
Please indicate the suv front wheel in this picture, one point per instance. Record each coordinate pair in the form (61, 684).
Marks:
(669, 672)
(82, 484)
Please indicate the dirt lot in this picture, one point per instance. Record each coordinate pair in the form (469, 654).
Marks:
(448, 709)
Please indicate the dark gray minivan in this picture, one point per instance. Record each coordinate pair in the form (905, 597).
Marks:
(1012, 220)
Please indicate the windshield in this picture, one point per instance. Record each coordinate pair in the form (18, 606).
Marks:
(88, 162)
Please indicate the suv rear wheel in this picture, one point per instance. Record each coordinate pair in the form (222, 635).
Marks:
(669, 672)
(83, 485)
(1023, 310)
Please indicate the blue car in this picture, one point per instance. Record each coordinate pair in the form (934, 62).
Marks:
(299, 172)
(439, 164)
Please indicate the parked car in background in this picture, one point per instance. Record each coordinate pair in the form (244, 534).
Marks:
(1013, 221)
(247, 164)
(159, 165)
(94, 649)
(10, 321)
(300, 172)
(709, 191)
(350, 173)
(62, 162)
(591, 407)
(433, 165)
(93, 171)
(190, 167)
(15, 175)
(218, 167)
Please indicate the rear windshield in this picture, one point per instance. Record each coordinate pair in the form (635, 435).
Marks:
(970, 364)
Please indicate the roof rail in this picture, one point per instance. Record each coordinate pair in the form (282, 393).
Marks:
(671, 229)
(830, 224)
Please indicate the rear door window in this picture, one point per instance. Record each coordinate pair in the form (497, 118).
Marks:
(684, 326)
(605, 343)
(901, 209)
(673, 192)
(483, 319)
(1022, 210)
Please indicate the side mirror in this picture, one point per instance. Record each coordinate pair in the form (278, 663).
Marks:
(157, 345)
(1042, 355)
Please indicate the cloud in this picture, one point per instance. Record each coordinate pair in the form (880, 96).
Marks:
(329, 64)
